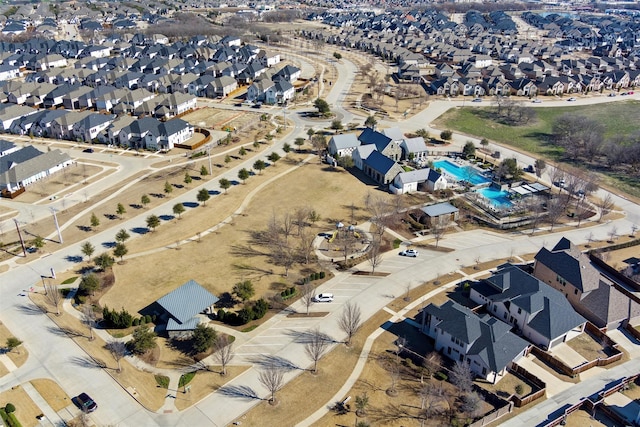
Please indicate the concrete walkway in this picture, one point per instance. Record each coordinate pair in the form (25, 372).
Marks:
(51, 417)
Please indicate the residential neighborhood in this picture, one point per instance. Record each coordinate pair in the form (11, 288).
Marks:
(312, 214)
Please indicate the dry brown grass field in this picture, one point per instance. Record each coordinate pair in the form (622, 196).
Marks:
(20, 354)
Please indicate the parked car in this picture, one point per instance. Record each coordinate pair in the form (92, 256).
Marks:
(537, 101)
(86, 403)
(410, 253)
(477, 100)
(631, 92)
(88, 150)
(572, 99)
(612, 94)
(323, 298)
(529, 169)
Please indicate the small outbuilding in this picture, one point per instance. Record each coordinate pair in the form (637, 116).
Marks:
(440, 213)
(180, 308)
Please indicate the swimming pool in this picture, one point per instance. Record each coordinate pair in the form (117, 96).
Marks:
(460, 173)
(498, 198)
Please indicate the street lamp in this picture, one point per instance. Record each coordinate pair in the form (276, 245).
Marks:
(55, 220)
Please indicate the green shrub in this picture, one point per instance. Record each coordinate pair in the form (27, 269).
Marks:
(186, 379)
(221, 315)
(162, 381)
(153, 318)
(9, 408)
(260, 308)
(292, 290)
(441, 376)
(322, 274)
(136, 322)
(142, 320)
(519, 389)
(148, 319)
(69, 281)
(397, 243)
(285, 293)
(245, 315)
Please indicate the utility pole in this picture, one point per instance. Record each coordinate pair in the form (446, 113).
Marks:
(55, 220)
(24, 250)
(210, 168)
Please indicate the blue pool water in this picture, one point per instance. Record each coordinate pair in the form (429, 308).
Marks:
(497, 198)
(459, 173)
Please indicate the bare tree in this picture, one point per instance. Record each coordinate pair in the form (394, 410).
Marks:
(89, 319)
(432, 362)
(612, 233)
(471, 403)
(223, 352)
(284, 255)
(118, 350)
(392, 367)
(347, 242)
(52, 295)
(350, 320)
(555, 208)
(308, 291)
(316, 346)
(272, 378)
(556, 175)
(374, 255)
(462, 377)
(438, 230)
(288, 223)
(431, 397)
(306, 238)
(300, 216)
(605, 205)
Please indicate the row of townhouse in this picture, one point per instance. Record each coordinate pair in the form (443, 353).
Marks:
(88, 126)
(450, 60)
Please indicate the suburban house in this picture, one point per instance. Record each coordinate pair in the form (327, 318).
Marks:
(258, 89)
(343, 144)
(280, 93)
(180, 308)
(439, 214)
(485, 343)
(380, 168)
(20, 168)
(7, 147)
(221, 87)
(539, 312)
(152, 134)
(10, 113)
(418, 180)
(88, 128)
(603, 296)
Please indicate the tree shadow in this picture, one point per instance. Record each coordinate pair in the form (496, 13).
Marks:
(64, 332)
(234, 182)
(190, 204)
(251, 271)
(84, 228)
(108, 245)
(241, 392)
(88, 362)
(271, 360)
(31, 309)
(111, 217)
(140, 230)
(157, 195)
(308, 336)
(166, 217)
(135, 206)
(226, 300)
(213, 192)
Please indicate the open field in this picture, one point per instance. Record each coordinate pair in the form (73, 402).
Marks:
(225, 251)
(618, 118)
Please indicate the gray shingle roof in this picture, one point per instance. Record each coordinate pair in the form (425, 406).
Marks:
(345, 140)
(550, 313)
(185, 302)
(439, 209)
(490, 339)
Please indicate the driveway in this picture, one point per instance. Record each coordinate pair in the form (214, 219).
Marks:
(568, 355)
(554, 384)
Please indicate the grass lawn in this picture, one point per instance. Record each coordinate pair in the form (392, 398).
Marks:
(618, 118)
(19, 355)
(586, 346)
(204, 383)
(229, 252)
(26, 409)
(507, 386)
(52, 393)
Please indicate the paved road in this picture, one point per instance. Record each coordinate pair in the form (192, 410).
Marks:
(58, 358)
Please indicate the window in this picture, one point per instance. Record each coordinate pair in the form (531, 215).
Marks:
(519, 310)
(484, 371)
(575, 291)
(448, 350)
(495, 308)
(505, 315)
(453, 339)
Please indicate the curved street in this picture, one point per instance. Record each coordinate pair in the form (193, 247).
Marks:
(54, 356)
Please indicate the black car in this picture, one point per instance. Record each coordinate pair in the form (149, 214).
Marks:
(86, 403)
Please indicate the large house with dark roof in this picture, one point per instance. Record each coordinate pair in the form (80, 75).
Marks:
(600, 295)
(541, 314)
(180, 308)
(485, 343)
(23, 167)
(381, 168)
